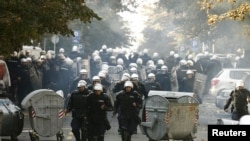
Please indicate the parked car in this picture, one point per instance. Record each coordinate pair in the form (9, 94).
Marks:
(246, 80)
(226, 79)
(222, 97)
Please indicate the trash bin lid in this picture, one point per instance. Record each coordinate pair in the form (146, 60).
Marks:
(187, 99)
(156, 108)
(170, 94)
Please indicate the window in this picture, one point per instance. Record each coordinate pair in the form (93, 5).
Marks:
(237, 74)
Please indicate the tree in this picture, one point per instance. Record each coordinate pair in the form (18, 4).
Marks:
(23, 20)
(227, 14)
(236, 10)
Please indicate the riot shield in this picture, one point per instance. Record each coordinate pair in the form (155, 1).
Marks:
(142, 73)
(115, 76)
(174, 80)
(199, 85)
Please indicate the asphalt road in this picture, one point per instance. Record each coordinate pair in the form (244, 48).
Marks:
(208, 114)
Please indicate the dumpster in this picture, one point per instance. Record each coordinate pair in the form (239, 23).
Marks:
(11, 119)
(45, 113)
(168, 115)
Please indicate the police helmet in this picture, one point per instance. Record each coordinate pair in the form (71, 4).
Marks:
(160, 62)
(104, 47)
(29, 59)
(112, 57)
(43, 57)
(152, 67)
(176, 55)
(125, 76)
(135, 76)
(120, 61)
(128, 84)
(61, 50)
(74, 48)
(131, 65)
(151, 76)
(101, 74)
(83, 71)
(119, 67)
(133, 70)
(98, 87)
(239, 83)
(164, 67)
(97, 58)
(190, 62)
(82, 83)
(155, 55)
(139, 61)
(145, 51)
(94, 54)
(172, 53)
(43, 52)
(110, 50)
(183, 62)
(189, 72)
(150, 62)
(24, 60)
(96, 78)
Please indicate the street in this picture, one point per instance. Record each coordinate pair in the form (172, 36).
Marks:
(208, 114)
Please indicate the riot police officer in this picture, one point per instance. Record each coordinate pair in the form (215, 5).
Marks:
(151, 84)
(77, 104)
(128, 102)
(83, 76)
(164, 78)
(187, 83)
(98, 103)
(239, 98)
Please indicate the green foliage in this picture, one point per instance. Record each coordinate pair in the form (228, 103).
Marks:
(23, 20)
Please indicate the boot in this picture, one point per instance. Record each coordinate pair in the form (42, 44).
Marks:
(76, 134)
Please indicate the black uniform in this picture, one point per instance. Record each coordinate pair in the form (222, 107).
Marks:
(151, 86)
(78, 105)
(74, 83)
(97, 117)
(164, 80)
(128, 112)
(187, 84)
(238, 98)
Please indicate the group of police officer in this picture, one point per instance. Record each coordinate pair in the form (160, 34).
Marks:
(86, 92)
